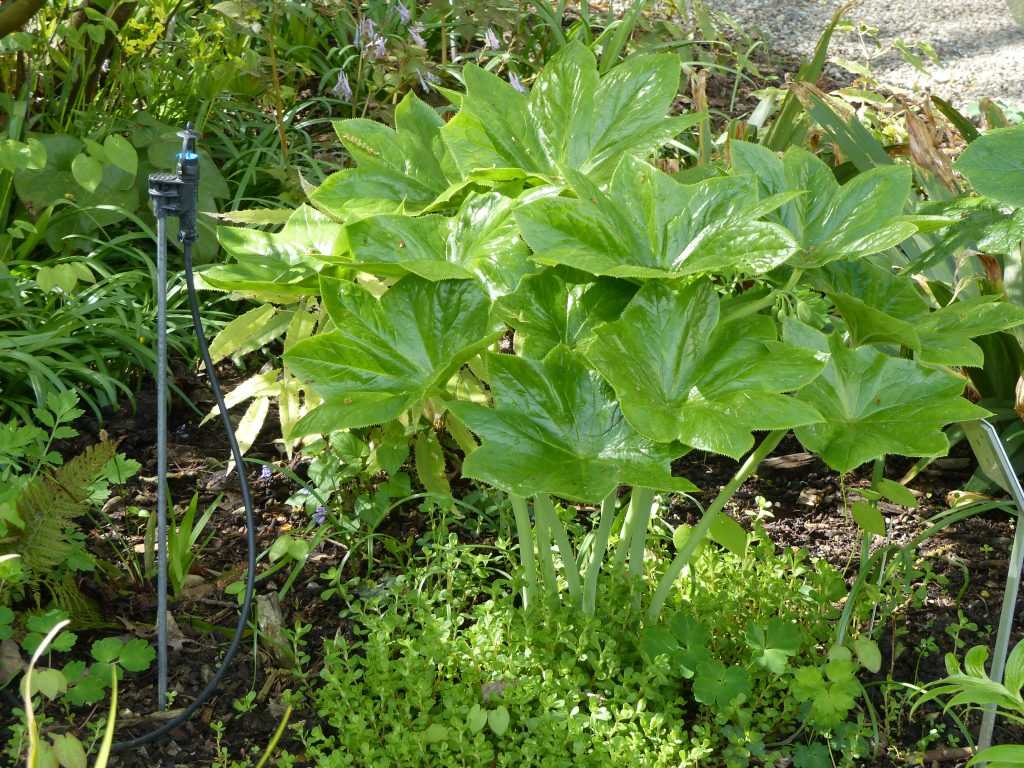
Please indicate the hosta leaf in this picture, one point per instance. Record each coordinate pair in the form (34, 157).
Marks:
(395, 169)
(994, 164)
(874, 404)
(830, 221)
(648, 225)
(547, 310)
(571, 118)
(384, 356)
(482, 241)
(680, 374)
(556, 428)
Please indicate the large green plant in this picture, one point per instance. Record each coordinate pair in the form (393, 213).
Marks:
(648, 317)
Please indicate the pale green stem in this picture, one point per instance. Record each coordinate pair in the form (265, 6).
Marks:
(644, 500)
(700, 532)
(597, 553)
(544, 509)
(547, 561)
(525, 534)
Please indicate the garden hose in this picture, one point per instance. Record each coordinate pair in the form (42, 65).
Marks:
(177, 195)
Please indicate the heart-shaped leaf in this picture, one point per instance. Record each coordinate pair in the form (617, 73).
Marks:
(498, 719)
(873, 404)
(647, 225)
(830, 221)
(556, 428)
(681, 374)
(384, 356)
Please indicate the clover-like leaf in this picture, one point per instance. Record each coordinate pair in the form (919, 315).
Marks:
(647, 225)
(396, 169)
(873, 404)
(482, 241)
(830, 221)
(682, 374)
(383, 356)
(774, 644)
(718, 686)
(556, 428)
(572, 118)
(684, 640)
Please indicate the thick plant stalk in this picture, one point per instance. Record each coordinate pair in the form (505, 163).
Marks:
(700, 532)
(545, 511)
(525, 535)
(597, 552)
(641, 504)
(640, 500)
(547, 560)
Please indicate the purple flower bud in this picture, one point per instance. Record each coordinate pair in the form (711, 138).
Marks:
(377, 47)
(403, 13)
(266, 472)
(491, 40)
(415, 33)
(427, 79)
(342, 89)
(515, 82)
(320, 515)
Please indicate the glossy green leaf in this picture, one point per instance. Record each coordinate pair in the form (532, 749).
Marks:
(396, 169)
(1001, 756)
(681, 374)
(873, 404)
(307, 235)
(830, 221)
(547, 310)
(556, 428)
(946, 334)
(481, 241)
(994, 164)
(729, 534)
(121, 153)
(384, 356)
(572, 118)
(647, 225)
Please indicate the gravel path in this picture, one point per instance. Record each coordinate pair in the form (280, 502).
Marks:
(979, 45)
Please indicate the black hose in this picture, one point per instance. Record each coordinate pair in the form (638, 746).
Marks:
(250, 527)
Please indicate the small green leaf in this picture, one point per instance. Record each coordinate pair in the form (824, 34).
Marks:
(718, 686)
(69, 750)
(430, 464)
(476, 719)
(729, 533)
(498, 719)
(49, 682)
(107, 650)
(137, 655)
(435, 733)
(868, 653)
(869, 517)
(120, 152)
(87, 171)
(896, 493)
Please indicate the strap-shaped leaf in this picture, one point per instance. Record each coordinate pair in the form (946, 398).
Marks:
(831, 221)
(649, 226)
(556, 428)
(547, 310)
(681, 374)
(873, 404)
(482, 241)
(396, 169)
(572, 118)
(386, 355)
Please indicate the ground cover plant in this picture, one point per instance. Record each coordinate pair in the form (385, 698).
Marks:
(524, 317)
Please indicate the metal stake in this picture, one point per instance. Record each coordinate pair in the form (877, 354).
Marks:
(995, 463)
(161, 456)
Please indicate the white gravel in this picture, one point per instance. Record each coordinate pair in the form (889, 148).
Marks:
(979, 45)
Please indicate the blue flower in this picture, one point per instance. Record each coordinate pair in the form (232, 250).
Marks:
(403, 13)
(515, 82)
(342, 89)
(377, 47)
(320, 515)
(266, 473)
(491, 40)
(417, 38)
(427, 79)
